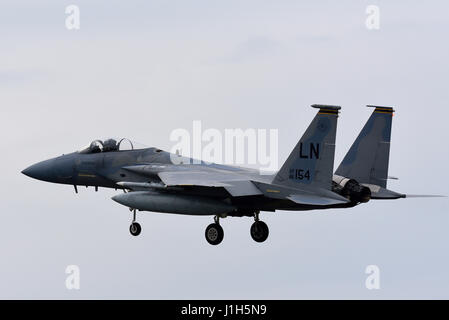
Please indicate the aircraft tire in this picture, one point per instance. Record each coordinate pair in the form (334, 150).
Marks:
(214, 234)
(135, 229)
(259, 231)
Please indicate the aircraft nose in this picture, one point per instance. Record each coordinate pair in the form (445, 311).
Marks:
(41, 171)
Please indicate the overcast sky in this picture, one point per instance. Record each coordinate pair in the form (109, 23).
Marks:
(141, 69)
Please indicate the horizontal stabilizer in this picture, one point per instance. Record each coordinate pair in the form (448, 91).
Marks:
(379, 193)
(309, 199)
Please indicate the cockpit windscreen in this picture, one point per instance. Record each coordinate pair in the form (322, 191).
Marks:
(110, 145)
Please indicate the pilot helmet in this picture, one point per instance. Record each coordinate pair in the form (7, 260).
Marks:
(110, 144)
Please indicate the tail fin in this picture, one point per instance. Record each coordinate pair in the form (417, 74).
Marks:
(312, 160)
(367, 159)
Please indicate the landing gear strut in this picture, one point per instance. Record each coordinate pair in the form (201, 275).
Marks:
(135, 227)
(214, 232)
(259, 229)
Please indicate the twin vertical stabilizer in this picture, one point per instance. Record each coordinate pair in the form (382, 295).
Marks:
(367, 159)
(312, 160)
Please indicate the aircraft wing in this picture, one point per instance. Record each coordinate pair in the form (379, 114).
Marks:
(190, 178)
(236, 186)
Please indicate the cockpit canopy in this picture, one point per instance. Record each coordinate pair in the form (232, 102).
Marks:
(111, 144)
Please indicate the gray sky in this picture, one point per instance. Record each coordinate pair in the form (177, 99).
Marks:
(140, 69)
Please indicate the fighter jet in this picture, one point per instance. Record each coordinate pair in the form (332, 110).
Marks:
(155, 180)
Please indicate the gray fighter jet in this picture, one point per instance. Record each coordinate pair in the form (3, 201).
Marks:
(153, 181)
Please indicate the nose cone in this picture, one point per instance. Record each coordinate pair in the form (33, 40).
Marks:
(41, 171)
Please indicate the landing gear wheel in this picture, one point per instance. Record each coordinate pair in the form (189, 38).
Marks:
(259, 231)
(135, 229)
(214, 234)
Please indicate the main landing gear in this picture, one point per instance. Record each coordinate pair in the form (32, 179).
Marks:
(135, 227)
(259, 229)
(214, 232)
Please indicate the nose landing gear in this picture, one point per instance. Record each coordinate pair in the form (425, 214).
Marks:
(135, 227)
